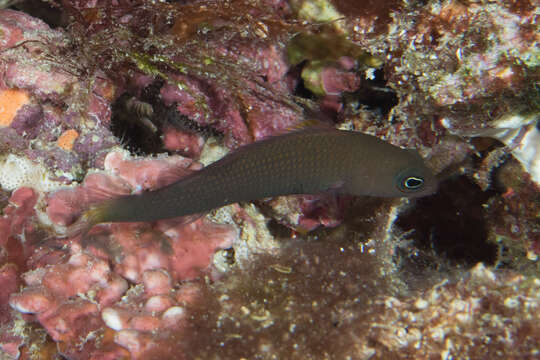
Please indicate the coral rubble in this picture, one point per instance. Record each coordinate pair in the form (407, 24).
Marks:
(118, 97)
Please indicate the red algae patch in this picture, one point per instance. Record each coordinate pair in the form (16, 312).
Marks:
(11, 100)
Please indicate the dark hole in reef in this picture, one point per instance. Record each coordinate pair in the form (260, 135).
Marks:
(278, 230)
(300, 90)
(451, 223)
(373, 94)
(53, 16)
(229, 256)
(141, 121)
(132, 127)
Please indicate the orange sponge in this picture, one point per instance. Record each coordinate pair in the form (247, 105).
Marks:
(66, 140)
(11, 100)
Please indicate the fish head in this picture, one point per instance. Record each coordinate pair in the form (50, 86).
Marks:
(400, 173)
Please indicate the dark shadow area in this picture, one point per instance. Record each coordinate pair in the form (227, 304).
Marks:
(131, 122)
(4, 197)
(300, 90)
(278, 230)
(53, 16)
(139, 122)
(373, 95)
(451, 223)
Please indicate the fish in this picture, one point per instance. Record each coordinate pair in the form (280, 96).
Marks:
(308, 161)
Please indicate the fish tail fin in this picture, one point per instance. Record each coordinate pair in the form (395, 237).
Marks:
(93, 215)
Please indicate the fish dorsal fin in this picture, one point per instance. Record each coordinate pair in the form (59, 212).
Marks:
(313, 118)
(304, 125)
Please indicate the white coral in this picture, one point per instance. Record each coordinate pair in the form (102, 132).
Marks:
(17, 171)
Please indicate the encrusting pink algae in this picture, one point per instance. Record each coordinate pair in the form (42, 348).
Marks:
(104, 99)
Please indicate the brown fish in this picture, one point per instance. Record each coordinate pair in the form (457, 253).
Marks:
(302, 162)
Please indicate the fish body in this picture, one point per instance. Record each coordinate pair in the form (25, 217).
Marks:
(302, 162)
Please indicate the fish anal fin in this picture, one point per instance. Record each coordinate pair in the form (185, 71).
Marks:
(168, 224)
(335, 186)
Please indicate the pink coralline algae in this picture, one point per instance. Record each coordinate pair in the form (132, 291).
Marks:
(88, 288)
(179, 248)
(74, 301)
(42, 119)
(182, 142)
(265, 117)
(306, 213)
(16, 223)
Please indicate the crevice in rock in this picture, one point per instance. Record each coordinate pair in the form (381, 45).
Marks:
(451, 224)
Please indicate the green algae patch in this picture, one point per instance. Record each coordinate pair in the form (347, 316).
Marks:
(327, 48)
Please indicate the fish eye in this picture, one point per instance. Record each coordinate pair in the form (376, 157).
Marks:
(409, 180)
(413, 182)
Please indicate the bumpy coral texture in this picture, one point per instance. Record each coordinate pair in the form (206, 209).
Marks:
(15, 221)
(87, 289)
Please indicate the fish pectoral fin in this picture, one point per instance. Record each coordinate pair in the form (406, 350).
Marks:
(99, 187)
(335, 186)
(92, 216)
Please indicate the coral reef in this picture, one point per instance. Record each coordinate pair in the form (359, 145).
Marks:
(83, 288)
(332, 300)
(40, 107)
(103, 98)
(513, 217)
